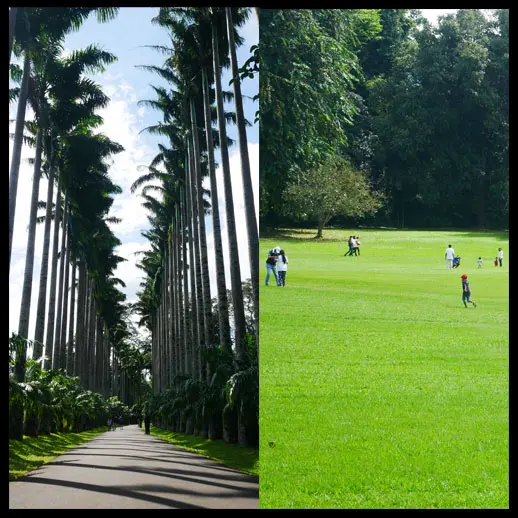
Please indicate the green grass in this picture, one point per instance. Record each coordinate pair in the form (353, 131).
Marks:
(378, 389)
(231, 455)
(33, 452)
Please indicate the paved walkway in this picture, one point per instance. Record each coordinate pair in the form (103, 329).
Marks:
(127, 469)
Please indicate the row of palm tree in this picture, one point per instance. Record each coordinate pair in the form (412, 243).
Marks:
(56, 402)
(82, 330)
(204, 358)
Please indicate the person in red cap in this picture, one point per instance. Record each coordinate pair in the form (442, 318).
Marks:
(466, 292)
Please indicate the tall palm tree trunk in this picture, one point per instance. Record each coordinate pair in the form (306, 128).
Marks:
(180, 293)
(56, 356)
(25, 308)
(80, 327)
(92, 316)
(64, 320)
(70, 345)
(99, 342)
(207, 306)
(235, 270)
(186, 304)
(88, 334)
(12, 23)
(51, 317)
(248, 190)
(173, 276)
(17, 148)
(44, 268)
(171, 304)
(196, 285)
(221, 284)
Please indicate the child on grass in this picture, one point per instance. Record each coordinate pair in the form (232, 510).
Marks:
(466, 292)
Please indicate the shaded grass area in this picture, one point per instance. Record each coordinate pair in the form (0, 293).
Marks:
(32, 452)
(378, 389)
(231, 455)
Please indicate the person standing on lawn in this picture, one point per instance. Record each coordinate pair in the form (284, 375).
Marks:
(271, 265)
(282, 267)
(449, 254)
(500, 257)
(466, 292)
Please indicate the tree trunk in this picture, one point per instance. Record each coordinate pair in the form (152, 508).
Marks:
(235, 270)
(207, 306)
(99, 342)
(223, 315)
(80, 328)
(49, 340)
(70, 345)
(25, 308)
(186, 306)
(12, 23)
(248, 188)
(42, 295)
(193, 267)
(64, 318)
(56, 357)
(17, 149)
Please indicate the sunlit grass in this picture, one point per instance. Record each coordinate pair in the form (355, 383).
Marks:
(32, 452)
(231, 455)
(378, 389)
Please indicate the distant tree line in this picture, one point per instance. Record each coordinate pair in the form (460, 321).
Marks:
(421, 109)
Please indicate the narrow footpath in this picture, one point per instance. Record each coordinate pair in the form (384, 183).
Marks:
(127, 469)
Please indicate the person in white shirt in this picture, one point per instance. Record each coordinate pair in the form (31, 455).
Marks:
(282, 267)
(500, 256)
(449, 255)
(479, 262)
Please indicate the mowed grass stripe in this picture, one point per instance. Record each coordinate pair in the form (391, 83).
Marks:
(378, 388)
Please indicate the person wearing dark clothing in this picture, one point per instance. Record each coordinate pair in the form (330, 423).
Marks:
(147, 423)
(271, 265)
(351, 250)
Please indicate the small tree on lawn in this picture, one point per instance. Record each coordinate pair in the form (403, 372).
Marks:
(333, 188)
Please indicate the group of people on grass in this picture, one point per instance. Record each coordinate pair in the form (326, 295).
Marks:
(276, 264)
(453, 261)
(354, 246)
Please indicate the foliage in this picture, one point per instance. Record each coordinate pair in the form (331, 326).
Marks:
(308, 72)
(427, 110)
(52, 401)
(331, 189)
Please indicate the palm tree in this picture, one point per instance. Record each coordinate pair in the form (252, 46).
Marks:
(33, 29)
(235, 270)
(248, 192)
(17, 149)
(23, 324)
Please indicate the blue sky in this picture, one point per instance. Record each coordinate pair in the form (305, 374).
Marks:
(126, 37)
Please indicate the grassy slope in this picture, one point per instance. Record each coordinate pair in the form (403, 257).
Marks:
(33, 452)
(378, 388)
(231, 455)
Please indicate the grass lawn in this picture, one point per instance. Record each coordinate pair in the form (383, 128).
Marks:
(33, 452)
(231, 455)
(378, 388)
